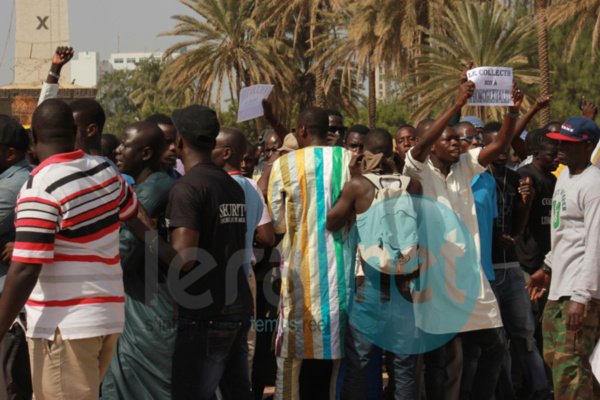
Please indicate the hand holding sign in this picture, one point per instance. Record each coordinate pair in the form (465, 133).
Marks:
(494, 86)
(463, 74)
(251, 101)
(465, 91)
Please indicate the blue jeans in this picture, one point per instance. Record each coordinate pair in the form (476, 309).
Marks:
(517, 316)
(210, 354)
(358, 355)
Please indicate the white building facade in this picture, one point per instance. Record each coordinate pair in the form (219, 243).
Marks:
(120, 61)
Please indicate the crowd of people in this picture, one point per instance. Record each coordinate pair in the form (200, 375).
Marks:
(178, 260)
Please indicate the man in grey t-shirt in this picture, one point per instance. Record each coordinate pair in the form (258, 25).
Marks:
(571, 321)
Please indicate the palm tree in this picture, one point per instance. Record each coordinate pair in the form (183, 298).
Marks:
(352, 50)
(579, 13)
(149, 94)
(374, 34)
(297, 16)
(540, 12)
(225, 48)
(482, 32)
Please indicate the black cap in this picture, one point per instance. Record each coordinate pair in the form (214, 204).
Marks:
(197, 124)
(12, 133)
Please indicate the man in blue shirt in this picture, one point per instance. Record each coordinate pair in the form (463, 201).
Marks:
(15, 378)
(484, 192)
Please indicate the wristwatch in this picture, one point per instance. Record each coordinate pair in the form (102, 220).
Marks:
(546, 269)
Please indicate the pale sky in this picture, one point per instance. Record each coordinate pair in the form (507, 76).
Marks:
(97, 26)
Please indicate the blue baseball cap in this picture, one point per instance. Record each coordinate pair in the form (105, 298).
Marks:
(476, 122)
(577, 129)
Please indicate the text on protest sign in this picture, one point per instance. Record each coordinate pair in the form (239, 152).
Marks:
(251, 101)
(493, 86)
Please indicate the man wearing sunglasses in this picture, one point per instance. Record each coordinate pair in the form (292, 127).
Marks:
(469, 137)
(336, 129)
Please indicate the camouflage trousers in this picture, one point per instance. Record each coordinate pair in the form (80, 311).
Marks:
(568, 353)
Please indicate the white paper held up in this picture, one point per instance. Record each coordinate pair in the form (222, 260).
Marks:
(492, 86)
(251, 101)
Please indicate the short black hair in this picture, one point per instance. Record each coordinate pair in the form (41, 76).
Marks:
(552, 123)
(160, 119)
(236, 140)
(492, 127)
(262, 138)
(423, 125)
(407, 126)
(378, 140)
(91, 112)
(315, 120)
(152, 136)
(532, 137)
(537, 140)
(331, 111)
(52, 122)
(360, 129)
(109, 143)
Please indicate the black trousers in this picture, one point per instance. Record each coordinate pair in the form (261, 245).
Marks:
(15, 377)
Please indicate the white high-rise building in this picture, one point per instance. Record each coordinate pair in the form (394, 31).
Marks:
(381, 88)
(120, 61)
(87, 68)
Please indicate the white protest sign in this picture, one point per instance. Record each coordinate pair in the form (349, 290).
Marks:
(251, 101)
(493, 86)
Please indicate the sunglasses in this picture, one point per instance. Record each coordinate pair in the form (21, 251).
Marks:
(336, 129)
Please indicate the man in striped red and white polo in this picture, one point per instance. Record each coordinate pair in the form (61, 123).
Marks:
(65, 263)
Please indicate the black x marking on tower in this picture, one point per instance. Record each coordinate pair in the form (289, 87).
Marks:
(42, 23)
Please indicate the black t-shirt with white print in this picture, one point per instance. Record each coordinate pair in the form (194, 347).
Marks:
(207, 200)
(534, 243)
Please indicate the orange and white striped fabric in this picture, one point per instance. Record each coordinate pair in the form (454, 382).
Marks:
(303, 187)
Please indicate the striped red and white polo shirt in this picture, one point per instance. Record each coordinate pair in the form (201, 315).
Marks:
(68, 217)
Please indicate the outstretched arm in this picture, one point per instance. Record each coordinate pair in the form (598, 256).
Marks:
(62, 55)
(421, 150)
(279, 129)
(490, 152)
(517, 143)
(589, 109)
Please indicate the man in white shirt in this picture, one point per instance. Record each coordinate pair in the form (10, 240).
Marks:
(446, 176)
(571, 321)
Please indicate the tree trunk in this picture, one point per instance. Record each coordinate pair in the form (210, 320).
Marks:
(540, 11)
(319, 87)
(372, 98)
